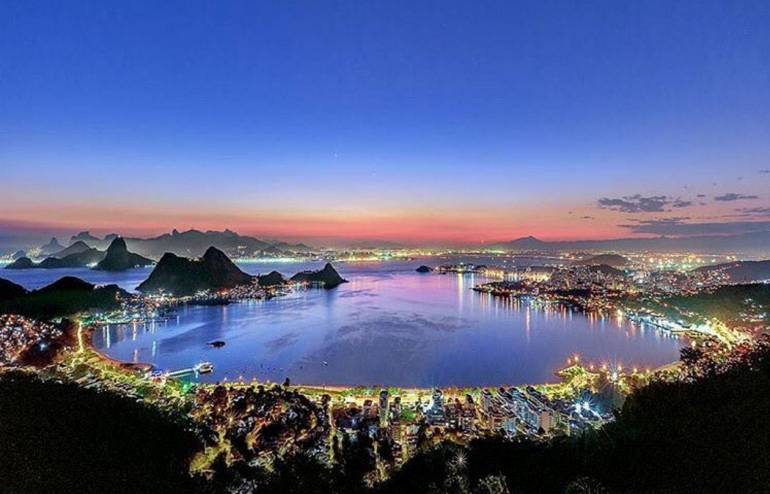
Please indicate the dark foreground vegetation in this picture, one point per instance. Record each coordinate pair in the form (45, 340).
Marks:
(708, 432)
(59, 437)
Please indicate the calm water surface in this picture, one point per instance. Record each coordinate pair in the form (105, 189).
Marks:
(389, 325)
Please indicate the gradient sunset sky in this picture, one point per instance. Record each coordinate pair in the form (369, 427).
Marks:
(418, 122)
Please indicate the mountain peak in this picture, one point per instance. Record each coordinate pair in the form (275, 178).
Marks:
(118, 258)
(118, 244)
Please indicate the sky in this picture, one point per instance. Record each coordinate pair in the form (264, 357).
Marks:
(417, 122)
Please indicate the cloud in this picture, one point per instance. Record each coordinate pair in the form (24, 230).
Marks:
(643, 204)
(587, 217)
(635, 204)
(701, 195)
(764, 171)
(681, 204)
(732, 196)
(753, 212)
(679, 227)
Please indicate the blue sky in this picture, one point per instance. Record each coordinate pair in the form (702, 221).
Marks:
(370, 119)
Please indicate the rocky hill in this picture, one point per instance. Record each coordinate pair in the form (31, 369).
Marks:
(21, 263)
(184, 276)
(78, 260)
(328, 277)
(273, 278)
(742, 271)
(118, 258)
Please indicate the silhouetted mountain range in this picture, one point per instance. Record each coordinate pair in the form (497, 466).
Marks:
(118, 258)
(184, 276)
(748, 242)
(84, 237)
(193, 243)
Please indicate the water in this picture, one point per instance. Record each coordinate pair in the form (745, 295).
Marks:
(388, 326)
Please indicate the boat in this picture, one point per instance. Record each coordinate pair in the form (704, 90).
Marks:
(204, 367)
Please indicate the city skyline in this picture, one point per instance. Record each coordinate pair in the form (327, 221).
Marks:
(421, 124)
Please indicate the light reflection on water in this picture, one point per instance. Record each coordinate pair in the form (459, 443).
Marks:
(389, 325)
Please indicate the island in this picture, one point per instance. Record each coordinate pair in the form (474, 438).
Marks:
(328, 277)
(424, 269)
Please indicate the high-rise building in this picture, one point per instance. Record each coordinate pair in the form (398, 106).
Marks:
(383, 412)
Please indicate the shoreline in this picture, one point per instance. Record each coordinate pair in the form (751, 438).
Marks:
(561, 378)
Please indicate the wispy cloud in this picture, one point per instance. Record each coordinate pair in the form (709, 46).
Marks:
(732, 196)
(639, 204)
(761, 212)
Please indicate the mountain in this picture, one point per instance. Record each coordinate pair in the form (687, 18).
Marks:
(287, 247)
(67, 283)
(193, 243)
(52, 246)
(77, 260)
(21, 263)
(85, 237)
(523, 243)
(614, 260)
(328, 277)
(64, 297)
(742, 271)
(273, 278)
(9, 290)
(118, 258)
(18, 254)
(183, 276)
(749, 242)
(76, 248)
